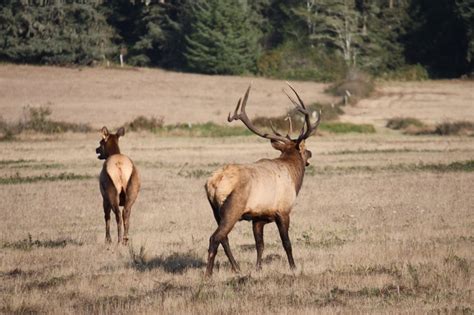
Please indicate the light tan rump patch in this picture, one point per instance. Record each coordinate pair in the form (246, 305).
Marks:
(221, 183)
(119, 168)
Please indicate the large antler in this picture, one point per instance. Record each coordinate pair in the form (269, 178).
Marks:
(242, 116)
(308, 129)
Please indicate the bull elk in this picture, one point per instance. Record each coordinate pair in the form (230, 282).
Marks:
(261, 192)
(119, 183)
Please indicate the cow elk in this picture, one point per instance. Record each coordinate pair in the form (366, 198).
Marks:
(261, 192)
(119, 183)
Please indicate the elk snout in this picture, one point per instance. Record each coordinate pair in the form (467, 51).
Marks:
(308, 155)
(100, 153)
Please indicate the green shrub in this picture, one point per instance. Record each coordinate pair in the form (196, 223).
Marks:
(145, 123)
(359, 85)
(18, 179)
(408, 73)
(401, 123)
(208, 129)
(455, 128)
(292, 61)
(37, 119)
(344, 127)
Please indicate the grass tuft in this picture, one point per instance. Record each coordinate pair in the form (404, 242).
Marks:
(18, 179)
(401, 123)
(345, 127)
(38, 119)
(455, 128)
(413, 126)
(152, 124)
(29, 243)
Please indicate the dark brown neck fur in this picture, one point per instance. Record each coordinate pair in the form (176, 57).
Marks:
(111, 146)
(296, 167)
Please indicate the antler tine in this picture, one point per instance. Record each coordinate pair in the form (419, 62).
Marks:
(273, 129)
(236, 115)
(310, 128)
(297, 96)
(242, 116)
(290, 126)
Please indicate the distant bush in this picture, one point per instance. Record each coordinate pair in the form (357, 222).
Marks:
(208, 129)
(292, 61)
(413, 126)
(280, 123)
(37, 119)
(358, 84)
(407, 73)
(345, 127)
(455, 128)
(398, 123)
(145, 123)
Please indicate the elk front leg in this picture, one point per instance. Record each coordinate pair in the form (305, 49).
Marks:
(258, 235)
(107, 209)
(283, 223)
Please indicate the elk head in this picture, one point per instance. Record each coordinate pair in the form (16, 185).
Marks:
(285, 144)
(108, 145)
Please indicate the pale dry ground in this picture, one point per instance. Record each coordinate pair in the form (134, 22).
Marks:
(365, 240)
(430, 101)
(371, 232)
(114, 96)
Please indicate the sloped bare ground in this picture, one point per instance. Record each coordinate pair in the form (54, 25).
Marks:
(113, 96)
(430, 101)
(373, 231)
(366, 238)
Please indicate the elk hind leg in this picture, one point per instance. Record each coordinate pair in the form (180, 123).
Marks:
(226, 223)
(107, 210)
(259, 245)
(283, 223)
(131, 195)
(114, 197)
(225, 242)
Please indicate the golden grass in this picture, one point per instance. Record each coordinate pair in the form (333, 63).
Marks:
(375, 240)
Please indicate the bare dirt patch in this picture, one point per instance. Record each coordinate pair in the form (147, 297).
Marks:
(383, 223)
(113, 96)
(367, 237)
(431, 101)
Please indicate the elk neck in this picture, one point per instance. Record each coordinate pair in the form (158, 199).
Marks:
(112, 147)
(295, 164)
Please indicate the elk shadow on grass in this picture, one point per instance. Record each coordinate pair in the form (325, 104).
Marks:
(175, 263)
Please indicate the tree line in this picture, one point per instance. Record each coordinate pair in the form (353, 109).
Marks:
(294, 39)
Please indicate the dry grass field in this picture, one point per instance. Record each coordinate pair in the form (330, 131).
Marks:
(383, 224)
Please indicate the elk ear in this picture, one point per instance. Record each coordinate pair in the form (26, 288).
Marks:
(301, 146)
(120, 132)
(105, 132)
(277, 145)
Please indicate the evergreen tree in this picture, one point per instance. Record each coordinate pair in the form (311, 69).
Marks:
(147, 49)
(53, 33)
(222, 39)
(334, 24)
(438, 37)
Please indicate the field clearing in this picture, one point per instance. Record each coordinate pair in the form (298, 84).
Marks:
(383, 223)
(114, 96)
(365, 239)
